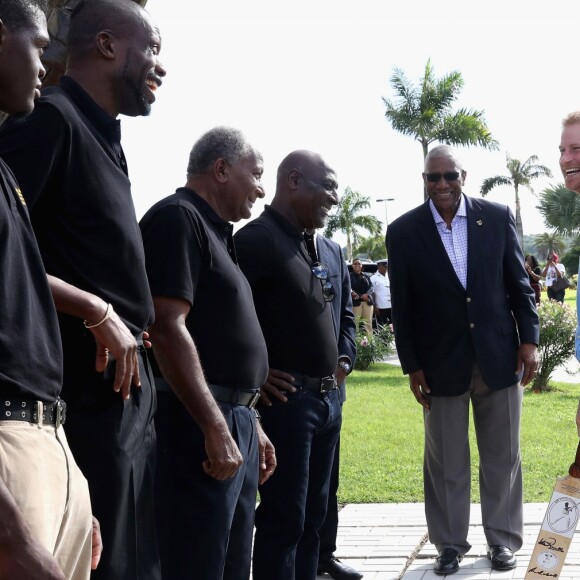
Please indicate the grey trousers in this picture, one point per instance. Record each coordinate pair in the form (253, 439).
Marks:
(447, 471)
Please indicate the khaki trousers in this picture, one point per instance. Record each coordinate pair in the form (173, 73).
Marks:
(39, 471)
(364, 311)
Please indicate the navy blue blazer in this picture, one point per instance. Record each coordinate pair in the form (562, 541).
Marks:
(442, 328)
(330, 254)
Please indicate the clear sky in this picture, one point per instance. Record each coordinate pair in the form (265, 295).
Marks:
(312, 74)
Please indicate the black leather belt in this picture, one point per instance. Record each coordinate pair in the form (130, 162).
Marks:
(31, 411)
(234, 396)
(320, 385)
(223, 394)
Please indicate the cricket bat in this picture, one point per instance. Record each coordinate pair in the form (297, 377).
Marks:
(558, 526)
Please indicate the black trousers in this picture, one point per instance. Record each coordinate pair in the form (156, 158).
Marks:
(384, 316)
(556, 295)
(205, 525)
(113, 442)
(329, 530)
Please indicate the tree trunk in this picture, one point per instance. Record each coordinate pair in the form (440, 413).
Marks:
(348, 247)
(425, 151)
(519, 225)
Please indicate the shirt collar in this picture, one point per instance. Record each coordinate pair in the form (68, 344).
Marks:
(461, 210)
(206, 209)
(108, 126)
(285, 224)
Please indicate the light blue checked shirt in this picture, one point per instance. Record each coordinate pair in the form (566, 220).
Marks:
(455, 240)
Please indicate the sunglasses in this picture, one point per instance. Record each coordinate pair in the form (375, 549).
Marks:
(319, 270)
(435, 177)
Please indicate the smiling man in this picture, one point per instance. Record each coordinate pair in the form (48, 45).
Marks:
(211, 362)
(570, 167)
(79, 197)
(292, 289)
(466, 331)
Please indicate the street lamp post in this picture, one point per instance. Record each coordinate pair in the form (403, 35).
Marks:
(386, 200)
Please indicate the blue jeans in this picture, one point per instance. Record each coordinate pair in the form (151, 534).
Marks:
(293, 501)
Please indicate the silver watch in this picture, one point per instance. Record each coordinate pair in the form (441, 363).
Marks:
(345, 366)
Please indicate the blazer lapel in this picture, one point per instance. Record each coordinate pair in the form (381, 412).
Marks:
(324, 255)
(476, 228)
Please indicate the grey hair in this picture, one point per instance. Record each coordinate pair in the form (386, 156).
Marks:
(218, 143)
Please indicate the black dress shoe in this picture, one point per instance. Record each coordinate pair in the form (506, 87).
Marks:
(447, 562)
(502, 558)
(339, 571)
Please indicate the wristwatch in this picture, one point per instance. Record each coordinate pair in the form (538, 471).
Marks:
(345, 366)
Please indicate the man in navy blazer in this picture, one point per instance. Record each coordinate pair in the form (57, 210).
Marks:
(466, 330)
(330, 254)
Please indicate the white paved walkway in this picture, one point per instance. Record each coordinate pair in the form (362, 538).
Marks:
(387, 542)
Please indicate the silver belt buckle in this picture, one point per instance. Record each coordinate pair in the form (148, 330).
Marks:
(60, 412)
(327, 384)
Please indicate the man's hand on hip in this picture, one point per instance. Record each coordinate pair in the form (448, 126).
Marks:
(275, 385)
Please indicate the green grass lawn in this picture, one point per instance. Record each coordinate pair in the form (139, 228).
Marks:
(382, 439)
(569, 297)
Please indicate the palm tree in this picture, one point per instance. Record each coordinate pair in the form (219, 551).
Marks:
(521, 174)
(347, 218)
(561, 209)
(424, 112)
(372, 247)
(549, 242)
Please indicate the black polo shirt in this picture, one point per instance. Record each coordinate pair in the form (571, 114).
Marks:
(190, 255)
(296, 322)
(68, 159)
(30, 348)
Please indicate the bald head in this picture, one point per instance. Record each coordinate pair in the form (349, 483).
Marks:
(301, 161)
(305, 189)
(444, 151)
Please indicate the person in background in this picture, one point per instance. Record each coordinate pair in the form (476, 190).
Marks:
(211, 449)
(554, 271)
(535, 274)
(382, 293)
(467, 337)
(81, 206)
(361, 291)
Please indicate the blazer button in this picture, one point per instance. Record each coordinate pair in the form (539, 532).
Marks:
(468, 299)
(471, 325)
